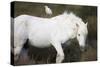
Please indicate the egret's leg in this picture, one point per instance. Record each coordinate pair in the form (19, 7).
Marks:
(60, 53)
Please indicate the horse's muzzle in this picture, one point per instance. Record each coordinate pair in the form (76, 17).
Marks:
(83, 48)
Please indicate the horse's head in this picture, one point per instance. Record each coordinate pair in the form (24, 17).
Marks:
(82, 35)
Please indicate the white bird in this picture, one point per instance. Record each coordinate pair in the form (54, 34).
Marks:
(48, 10)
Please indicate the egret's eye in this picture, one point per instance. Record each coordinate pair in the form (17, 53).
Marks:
(78, 34)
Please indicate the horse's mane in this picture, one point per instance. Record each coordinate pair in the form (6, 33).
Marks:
(71, 16)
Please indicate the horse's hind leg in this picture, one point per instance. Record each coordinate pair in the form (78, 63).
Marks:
(60, 53)
(18, 45)
(20, 34)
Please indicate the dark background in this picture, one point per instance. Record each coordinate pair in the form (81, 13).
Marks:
(32, 55)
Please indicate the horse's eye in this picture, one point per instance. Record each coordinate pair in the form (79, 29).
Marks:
(78, 34)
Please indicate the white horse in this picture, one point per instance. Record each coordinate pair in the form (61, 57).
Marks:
(43, 32)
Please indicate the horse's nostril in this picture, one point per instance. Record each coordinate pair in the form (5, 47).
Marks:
(83, 49)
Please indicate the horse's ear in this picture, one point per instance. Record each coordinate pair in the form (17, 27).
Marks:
(86, 23)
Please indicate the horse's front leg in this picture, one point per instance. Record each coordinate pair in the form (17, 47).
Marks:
(60, 53)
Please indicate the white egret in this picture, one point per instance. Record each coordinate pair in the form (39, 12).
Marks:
(48, 10)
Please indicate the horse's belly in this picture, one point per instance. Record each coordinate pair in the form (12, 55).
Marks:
(40, 38)
(39, 41)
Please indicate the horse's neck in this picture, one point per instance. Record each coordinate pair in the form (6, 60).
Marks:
(68, 19)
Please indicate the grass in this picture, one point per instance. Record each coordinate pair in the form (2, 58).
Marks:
(72, 51)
